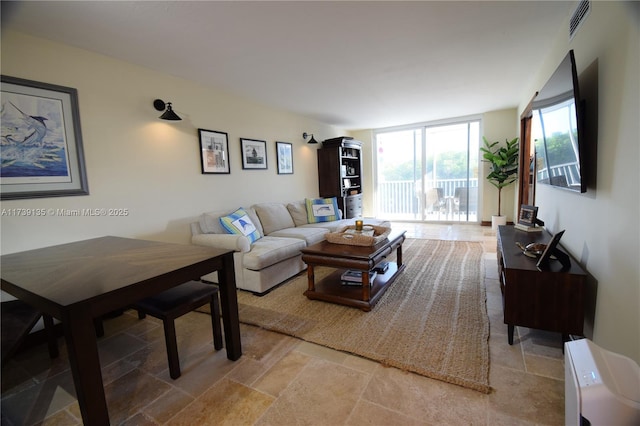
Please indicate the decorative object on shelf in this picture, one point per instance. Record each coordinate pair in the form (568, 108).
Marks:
(42, 153)
(168, 114)
(528, 228)
(305, 135)
(528, 220)
(504, 170)
(381, 267)
(284, 151)
(214, 152)
(533, 250)
(350, 236)
(527, 215)
(353, 277)
(254, 153)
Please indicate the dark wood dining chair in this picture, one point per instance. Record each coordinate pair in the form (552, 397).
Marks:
(178, 301)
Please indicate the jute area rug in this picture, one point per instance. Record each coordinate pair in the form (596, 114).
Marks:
(431, 321)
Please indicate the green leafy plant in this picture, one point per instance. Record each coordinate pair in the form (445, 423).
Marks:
(504, 164)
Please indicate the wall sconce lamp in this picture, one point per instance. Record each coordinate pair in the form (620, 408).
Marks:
(168, 114)
(312, 140)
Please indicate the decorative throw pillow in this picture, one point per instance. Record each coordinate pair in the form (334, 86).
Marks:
(239, 222)
(322, 209)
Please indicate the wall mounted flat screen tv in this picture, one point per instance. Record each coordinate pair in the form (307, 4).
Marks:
(557, 130)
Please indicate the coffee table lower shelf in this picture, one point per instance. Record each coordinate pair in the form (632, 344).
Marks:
(331, 289)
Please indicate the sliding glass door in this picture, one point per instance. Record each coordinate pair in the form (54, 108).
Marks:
(399, 167)
(428, 172)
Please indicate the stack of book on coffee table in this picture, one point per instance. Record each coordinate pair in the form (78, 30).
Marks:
(354, 277)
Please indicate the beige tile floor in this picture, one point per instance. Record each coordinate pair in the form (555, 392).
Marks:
(280, 380)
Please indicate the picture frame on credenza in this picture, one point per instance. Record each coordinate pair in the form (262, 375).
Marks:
(552, 250)
(528, 215)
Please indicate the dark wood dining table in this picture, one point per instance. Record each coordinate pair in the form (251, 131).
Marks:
(80, 281)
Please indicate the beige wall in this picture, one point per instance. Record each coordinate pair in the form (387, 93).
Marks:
(497, 126)
(151, 167)
(603, 226)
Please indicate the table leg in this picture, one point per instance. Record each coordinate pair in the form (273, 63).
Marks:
(366, 288)
(399, 255)
(510, 329)
(311, 278)
(229, 305)
(82, 347)
(52, 339)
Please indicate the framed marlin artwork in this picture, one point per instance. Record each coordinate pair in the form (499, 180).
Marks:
(41, 146)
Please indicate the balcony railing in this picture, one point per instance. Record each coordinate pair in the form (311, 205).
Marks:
(402, 200)
(570, 171)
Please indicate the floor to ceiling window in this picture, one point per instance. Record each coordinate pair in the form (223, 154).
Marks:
(428, 172)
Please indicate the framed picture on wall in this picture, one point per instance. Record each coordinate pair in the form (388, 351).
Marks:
(214, 152)
(42, 154)
(254, 153)
(285, 158)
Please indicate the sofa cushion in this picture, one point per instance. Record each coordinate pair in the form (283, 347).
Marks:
(322, 209)
(308, 234)
(210, 222)
(240, 223)
(273, 216)
(269, 250)
(298, 212)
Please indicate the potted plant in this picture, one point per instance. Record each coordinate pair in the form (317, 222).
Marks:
(504, 170)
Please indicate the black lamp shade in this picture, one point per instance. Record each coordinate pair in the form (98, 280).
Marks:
(168, 114)
(312, 140)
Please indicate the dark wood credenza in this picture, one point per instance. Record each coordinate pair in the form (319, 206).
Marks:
(551, 299)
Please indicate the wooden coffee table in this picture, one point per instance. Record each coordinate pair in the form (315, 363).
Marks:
(362, 258)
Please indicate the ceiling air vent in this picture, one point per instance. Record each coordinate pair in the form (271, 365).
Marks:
(578, 16)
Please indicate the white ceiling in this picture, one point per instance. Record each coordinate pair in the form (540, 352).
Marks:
(353, 64)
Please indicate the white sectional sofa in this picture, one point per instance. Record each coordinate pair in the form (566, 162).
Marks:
(281, 231)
